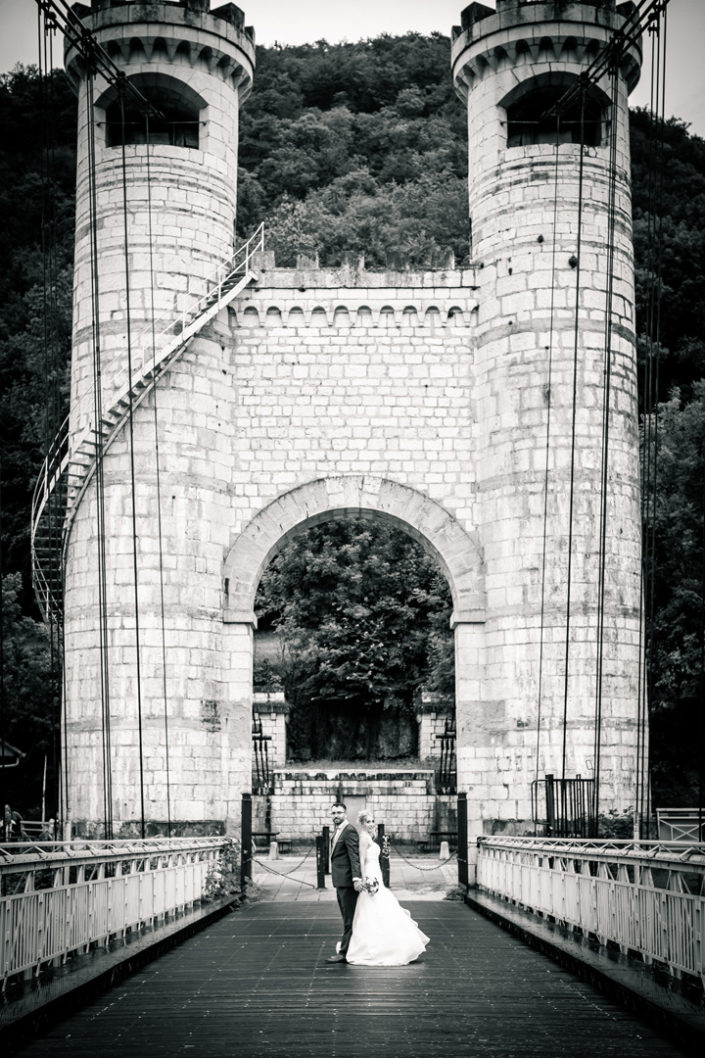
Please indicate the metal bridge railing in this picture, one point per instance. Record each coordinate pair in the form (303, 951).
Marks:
(60, 899)
(646, 897)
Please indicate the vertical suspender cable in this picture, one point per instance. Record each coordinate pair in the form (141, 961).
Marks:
(549, 398)
(650, 420)
(135, 571)
(160, 531)
(606, 398)
(576, 336)
(100, 489)
(52, 368)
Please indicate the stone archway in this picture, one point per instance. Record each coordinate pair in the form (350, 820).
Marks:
(457, 551)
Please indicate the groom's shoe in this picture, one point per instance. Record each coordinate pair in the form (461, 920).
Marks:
(336, 958)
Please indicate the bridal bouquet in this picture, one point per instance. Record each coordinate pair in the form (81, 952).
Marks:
(371, 885)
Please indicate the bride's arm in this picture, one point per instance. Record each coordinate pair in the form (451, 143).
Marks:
(365, 842)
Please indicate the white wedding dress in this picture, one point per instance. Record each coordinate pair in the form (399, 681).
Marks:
(383, 933)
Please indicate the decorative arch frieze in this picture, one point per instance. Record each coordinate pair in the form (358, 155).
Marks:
(457, 551)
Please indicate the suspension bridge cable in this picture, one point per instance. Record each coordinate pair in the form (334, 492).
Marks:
(45, 35)
(604, 476)
(643, 12)
(160, 528)
(576, 336)
(100, 483)
(549, 397)
(650, 391)
(92, 52)
(131, 446)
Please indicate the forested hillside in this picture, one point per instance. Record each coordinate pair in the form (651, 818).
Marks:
(353, 147)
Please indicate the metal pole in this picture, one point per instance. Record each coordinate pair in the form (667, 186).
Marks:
(326, 849)
(463, 840)
(246, 840)
(550, 807)
(383, 860)
(320, 863)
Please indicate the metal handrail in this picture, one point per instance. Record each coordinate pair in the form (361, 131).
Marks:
(239, 264)
(62, 901)
(646, 897)
(23, 855)
(647, 852)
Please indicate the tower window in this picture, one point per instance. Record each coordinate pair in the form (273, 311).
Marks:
(175, 119)
(529, 119)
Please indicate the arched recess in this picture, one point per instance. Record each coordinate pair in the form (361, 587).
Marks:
(439, 533)
(532, 118)
(176, 121)
(457, 551)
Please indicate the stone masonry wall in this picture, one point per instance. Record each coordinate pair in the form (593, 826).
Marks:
(358, 378)
(404, 801)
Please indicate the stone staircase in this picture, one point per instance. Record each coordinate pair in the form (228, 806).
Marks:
(67, 471)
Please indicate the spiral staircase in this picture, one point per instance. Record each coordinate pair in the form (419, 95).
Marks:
(71, 463)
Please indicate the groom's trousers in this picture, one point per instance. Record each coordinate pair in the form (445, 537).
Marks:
(347, 898)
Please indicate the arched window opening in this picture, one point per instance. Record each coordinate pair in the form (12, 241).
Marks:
(175, 120)
(531, 118)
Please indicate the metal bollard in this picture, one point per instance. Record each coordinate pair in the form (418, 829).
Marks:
(246, 842)
(320, 863)
(326, 849)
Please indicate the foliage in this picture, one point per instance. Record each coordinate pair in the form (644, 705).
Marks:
(668, 202)
(614, 824)
(30, 703)
(675, 524)
(356, 148)
(363, 614)
(223, 877)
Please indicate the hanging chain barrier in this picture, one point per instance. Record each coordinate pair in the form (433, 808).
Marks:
(287, 874)
(392, 848)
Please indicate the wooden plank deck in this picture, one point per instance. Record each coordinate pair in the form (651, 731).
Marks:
(256, 985)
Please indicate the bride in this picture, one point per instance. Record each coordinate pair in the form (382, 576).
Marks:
(383, 932)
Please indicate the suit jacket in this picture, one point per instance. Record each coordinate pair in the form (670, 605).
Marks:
(345, 858)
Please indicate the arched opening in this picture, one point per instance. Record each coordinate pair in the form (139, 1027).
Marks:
(354, 628)
(175, 120)
(533, 116)
(292, 799)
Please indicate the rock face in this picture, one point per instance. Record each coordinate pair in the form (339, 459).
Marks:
(465, 406)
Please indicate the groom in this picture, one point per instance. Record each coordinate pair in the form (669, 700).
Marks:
(345, 873)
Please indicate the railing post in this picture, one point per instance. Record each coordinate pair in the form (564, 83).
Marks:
(383, 860)
(246, 841)
(463, 840)
(326, 849)
(550, 806)
(320, 863)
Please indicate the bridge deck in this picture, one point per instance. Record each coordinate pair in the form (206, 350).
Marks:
(256, 985)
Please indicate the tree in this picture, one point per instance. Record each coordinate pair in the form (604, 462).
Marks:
(363, 614)
(676, 518)
(30, 695)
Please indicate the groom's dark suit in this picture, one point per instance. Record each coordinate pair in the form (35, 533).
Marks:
(344, 869)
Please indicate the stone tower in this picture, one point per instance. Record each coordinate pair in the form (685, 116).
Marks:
(436, 401)
(541, 244)
(159, 192)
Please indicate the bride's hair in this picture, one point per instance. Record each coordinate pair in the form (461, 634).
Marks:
(363, 816)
